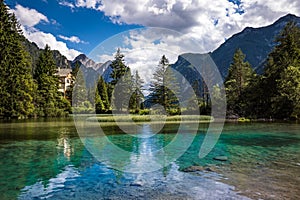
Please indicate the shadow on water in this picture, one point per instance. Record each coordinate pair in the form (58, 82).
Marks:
(263, 140)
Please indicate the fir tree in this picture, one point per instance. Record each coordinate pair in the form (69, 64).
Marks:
(119, 68)
(49, 102)
(239, 76)
(16, 83)
(103, 92)
(137, 95)
(285, 55)
(160, 88)
(79, 94)
(122, 93)
(289, 87)
(120, 75)
(99, 106)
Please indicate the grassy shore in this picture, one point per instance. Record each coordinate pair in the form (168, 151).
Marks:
(151, 118)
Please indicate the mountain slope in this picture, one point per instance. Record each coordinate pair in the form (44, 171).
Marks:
(256, 43)
(93, 69)
(35, 51)
(88, 65)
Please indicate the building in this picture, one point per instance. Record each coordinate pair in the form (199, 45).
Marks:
(65, 80)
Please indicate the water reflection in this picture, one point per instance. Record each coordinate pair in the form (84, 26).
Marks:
(64, 143)
(143, 153)
(41, 191)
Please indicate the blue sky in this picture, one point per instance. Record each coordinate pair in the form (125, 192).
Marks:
(78, 26)
(91, 26)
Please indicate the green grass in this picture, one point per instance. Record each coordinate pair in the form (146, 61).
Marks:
(151, 118)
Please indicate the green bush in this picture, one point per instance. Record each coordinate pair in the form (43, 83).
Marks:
(144, 112)
(174, 111)
(243, 119)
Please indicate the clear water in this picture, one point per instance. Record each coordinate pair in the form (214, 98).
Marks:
(47, 160)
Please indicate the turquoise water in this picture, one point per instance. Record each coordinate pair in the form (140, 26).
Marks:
(47, 160)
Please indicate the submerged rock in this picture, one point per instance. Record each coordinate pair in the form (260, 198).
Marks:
(210, 169)
(221, 158)
(137, 184)
(193, 169)
(196, 168)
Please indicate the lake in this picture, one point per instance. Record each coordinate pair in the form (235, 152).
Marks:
(47, 160)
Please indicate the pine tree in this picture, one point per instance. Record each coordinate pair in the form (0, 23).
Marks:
(119, 68)
(49, 102)
(289, 87)
(70, 89)
(79, 94)
(122, 92)
(16, 83)
(103, 92)
(120, 75)
(99, 106)
(239, 76)
(284, 55)
(161, 93)
(137, 95)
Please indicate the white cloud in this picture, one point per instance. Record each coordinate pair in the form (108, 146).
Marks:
(41, 39)
(143, 48)
(94, 4)
(73, 39)
(195, 18)
(66, 3)
(29, 17)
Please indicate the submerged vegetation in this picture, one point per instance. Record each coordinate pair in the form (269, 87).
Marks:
(151, 118)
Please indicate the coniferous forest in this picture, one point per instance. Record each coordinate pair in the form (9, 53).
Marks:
(274, 94)
(29, 88)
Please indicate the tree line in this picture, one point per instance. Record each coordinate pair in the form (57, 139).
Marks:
(274, 94)
(124, 93)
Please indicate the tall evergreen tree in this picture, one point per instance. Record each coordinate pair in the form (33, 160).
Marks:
(120, 75)
(163, 80)
(122, 92)
(49, 102)
(289, 87)
(284, 55)
(239, 76)
(70, 89)
(99, 106)
(79, 93)
(103, 92)
(16, 83)
(119, 68)
(137, 95)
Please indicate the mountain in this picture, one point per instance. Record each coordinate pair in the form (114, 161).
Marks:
(88, 65)
(256, 43)
(93, 69)
(87, 62)
(34, 52)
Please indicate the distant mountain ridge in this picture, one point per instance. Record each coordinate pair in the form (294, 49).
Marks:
(256, 43)
(35, 51)
(87, 65)
(92, 68)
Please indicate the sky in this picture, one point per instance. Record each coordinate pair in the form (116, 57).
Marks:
(97, 27)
